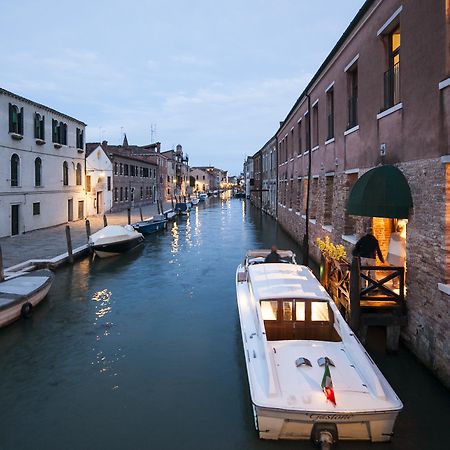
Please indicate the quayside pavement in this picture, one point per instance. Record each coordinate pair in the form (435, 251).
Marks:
(47, 243)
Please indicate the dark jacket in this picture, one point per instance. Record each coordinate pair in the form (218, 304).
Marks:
(368, 247)
(273, 257)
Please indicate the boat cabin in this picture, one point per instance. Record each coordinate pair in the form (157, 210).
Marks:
(298, 319)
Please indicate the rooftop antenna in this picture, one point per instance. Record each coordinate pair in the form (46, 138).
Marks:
(153, 132)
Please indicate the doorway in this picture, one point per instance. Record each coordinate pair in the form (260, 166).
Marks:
(14, 220)
(81, 209)
(99, 202)
(70, 210)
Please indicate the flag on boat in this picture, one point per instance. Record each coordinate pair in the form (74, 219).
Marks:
(327, 385)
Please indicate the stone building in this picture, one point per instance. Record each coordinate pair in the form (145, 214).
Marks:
(203, 179)
(134, 179)
(269, 177)
(248, 175)
(177, 172)
(381, 99)
(41, 166)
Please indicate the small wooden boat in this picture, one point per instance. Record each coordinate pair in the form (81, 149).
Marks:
(19, 295)
(202, 197)
(170, 215)
(182, 209)
(114, 240)
(309, 376)
(151, 225)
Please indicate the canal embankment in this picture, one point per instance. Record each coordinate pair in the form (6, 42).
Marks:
(48, 247)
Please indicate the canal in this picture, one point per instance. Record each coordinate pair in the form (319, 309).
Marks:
(144, 351)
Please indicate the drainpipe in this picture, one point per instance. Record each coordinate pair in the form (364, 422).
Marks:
(305, 246)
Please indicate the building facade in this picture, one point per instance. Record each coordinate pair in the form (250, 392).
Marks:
(269, 177)
(177, 172)
(99, 179)
(381, 98)
(202, 179)
(42, 166)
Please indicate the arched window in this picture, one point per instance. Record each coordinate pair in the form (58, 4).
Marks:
(37, 172)
(65, 174)
(78, 175)
(15, 166)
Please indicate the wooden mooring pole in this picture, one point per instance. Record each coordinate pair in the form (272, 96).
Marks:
(355, 293)
(105, 220)
(2, 272)
(88, 229)
(129, 216)
(69, 244)
(140, 213)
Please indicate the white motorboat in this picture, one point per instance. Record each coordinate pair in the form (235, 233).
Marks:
(113, 240)
(194, 201)
(309, 375)
(19, 295)
(202, 197)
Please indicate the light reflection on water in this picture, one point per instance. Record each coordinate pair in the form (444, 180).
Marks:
(144, 351)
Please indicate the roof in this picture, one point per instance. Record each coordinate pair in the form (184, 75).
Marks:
(274, 281)
(39, 105)
(364, 8)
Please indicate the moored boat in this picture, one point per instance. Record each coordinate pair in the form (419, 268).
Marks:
(170, 214)
(194, 201)
(182, 209)
(19, 295)
(151, 225)
(202, 197)
(113, 240)
(309, 376)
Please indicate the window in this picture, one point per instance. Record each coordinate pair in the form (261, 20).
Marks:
(392, 75)
(37, 172)
(291, 150)
(299, 131)
(319, 311)
(88, 183)
(307, 132)
(328, 209)
(300, 311)
(80, 138)
(125, 169)
(126, 194)
(59, 132)
(142, 192)
(269, 309)
(121, 194)
(116, 168)
(120, 169)
(36, 209)
(315, 125)
(15, 119)
(108, 181)
(330, 113)
(39, 126)
(15, 168)
(313, 198)
(65, 174)
(116, 194)
(78, 175)
(298, 206)
(81, 209)
(287, 311)
(132, 170)
(352, 88)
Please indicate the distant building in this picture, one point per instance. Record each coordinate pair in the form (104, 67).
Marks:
(248, 175)
(177, 172)
(99, 179)
(41, 166)
(134, 179)
(202, 179)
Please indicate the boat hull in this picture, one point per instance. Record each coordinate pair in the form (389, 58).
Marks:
(299, 425)
(150, 227)
(11, 310)
(116, 248)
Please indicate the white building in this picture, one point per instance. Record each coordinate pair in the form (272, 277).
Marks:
(202, 179)
(41, 166)
(99, 178)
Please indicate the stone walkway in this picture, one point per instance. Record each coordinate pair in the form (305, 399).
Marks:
(50, 242)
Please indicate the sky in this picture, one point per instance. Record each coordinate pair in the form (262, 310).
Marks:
(215, 77)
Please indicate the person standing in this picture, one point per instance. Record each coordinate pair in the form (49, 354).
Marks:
(367, 248)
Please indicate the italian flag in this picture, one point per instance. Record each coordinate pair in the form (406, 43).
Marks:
(327, 385)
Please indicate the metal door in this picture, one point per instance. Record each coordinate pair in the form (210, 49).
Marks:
(14, 220)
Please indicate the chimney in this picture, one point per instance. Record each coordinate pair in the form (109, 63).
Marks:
(104, 145)
(158, 147)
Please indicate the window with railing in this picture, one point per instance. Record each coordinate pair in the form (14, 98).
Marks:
(392, 92)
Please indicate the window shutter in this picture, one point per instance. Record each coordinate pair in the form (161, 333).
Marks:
(11, 124)
(43, 128)
(20, 121)
(37, 123)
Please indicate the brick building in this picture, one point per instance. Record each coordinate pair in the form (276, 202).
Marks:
(380, 98)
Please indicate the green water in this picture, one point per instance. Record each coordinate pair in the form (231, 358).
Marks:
(144, 351)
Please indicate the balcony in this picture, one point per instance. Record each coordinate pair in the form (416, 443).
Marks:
(392, 93)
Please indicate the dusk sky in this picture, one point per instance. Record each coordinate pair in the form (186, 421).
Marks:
(215, 77)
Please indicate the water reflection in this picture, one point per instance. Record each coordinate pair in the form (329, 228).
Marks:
(175, 237)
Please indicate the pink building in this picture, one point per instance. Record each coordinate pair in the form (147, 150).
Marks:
(381, 98)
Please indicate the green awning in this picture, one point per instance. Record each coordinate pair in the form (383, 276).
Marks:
(381, 192)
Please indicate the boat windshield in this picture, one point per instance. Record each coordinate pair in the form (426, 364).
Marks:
(298, 319)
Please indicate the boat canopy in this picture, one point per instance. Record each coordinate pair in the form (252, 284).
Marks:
(277, 281)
